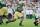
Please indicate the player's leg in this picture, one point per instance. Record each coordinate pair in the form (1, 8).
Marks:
(21, 21)
(39, 20)
(10, 21)
(15, 17)
(22, 17)
(8, 18)
(36, 24)
(1, 21)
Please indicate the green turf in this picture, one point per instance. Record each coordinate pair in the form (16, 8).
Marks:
(26, 23)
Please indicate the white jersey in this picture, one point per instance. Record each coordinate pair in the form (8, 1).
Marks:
(39, 10)
(38, 15)
(10, 11)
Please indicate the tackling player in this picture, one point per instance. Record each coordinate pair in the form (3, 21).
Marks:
(3, 12)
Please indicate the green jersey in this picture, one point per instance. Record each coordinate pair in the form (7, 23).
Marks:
(17, 10)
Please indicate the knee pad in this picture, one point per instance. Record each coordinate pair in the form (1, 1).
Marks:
(7, 21)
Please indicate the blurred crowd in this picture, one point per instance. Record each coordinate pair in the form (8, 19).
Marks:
(28, 8)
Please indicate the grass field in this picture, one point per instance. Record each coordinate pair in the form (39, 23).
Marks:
(26, 23)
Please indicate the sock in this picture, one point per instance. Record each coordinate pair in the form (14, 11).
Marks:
(20, 22)
(12, 21)
(2, 21)
(7, 21)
